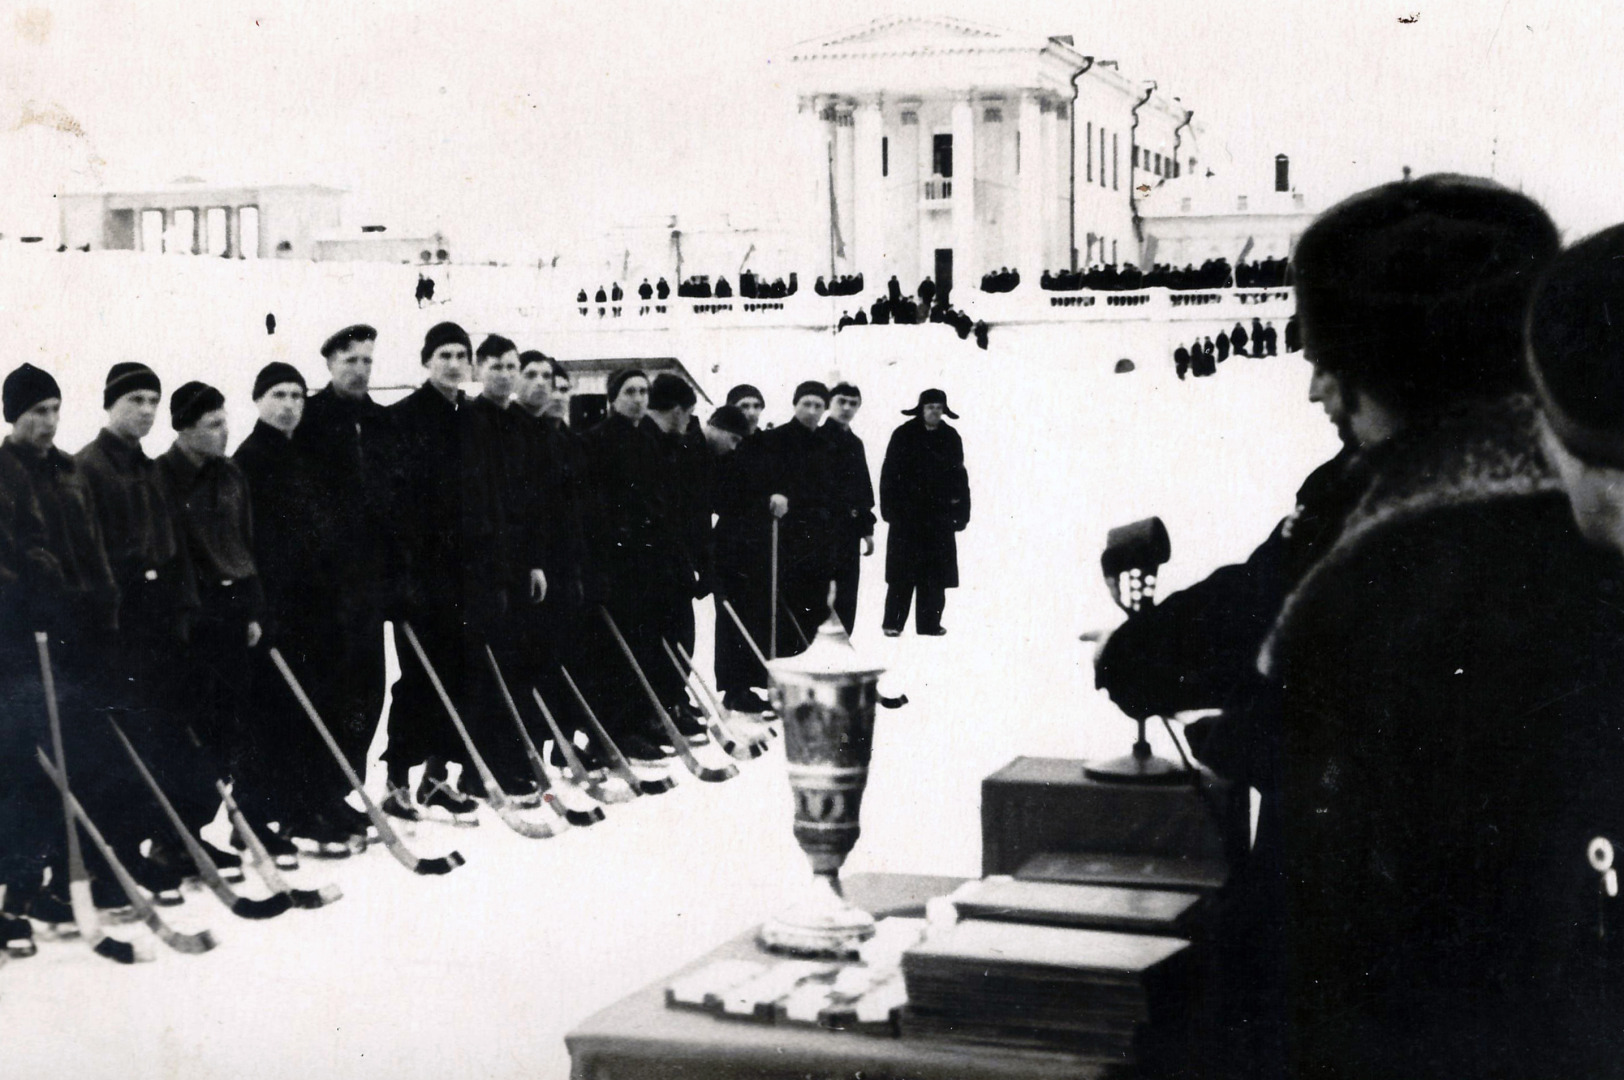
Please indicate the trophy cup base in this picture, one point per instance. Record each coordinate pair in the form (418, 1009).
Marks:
(823, 925)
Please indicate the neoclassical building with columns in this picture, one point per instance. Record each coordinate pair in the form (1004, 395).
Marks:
(938, 147)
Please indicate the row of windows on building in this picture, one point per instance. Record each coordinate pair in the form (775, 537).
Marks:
(941, 155)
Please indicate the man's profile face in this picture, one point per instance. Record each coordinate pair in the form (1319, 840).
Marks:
(350, 368)
(448, 367)
(809, 410)
(36, 428)
(843, 408)
(282, 406)
(932, 413)
(535, 389)
(563, 390)
(131, 416)
(1326, 390)
(632, 401)
(751, 408)
(498, 374)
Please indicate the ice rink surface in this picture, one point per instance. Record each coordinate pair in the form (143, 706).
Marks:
(480, 974)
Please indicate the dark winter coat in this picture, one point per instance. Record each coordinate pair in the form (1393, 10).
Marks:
(283, 494)
(853, 485)
(925, 498)
(1453, 677)
(631, 534)
(561, 478)
(212, 511)
(79, 596)
(449, 508)
(798, 463)
(507, 444)
(353, 449)
(27, 567)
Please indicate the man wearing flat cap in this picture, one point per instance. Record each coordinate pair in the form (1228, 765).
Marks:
(1413, 885)
(925, 499)
(798, 465)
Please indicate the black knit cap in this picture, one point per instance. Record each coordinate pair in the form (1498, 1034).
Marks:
(669, 391)
(126, 378)
(1415, 291)
(743, 392)
(1576, 347)
(275, 374)
(192, 402)
(618, 378)
(932, 396)
(731, 419)
(845, 389)
(811, 386)
(26, 387)
(446, 333)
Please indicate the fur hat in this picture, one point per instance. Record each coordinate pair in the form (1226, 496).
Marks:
(127, 378)
(446, 333)
(191, 403)
(1415, 290)
(26, 387)
(730, 419)
(931, 397)
(1576, 347)
(275, 374)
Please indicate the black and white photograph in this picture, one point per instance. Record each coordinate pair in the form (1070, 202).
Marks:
(963, 540)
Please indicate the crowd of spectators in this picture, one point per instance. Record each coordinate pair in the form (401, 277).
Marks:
(1000, 280)
(1202, 356)
(842, 285)
(928, 304)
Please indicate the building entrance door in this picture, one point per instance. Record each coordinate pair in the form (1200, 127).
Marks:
(944, 271)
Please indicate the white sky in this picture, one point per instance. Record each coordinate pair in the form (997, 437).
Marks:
(515, 126)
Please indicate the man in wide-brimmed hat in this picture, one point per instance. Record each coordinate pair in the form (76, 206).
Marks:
(925, 498)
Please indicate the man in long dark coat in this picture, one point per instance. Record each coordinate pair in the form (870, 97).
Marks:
(925, 498)
(332, 632)
(854, 499)
(799, 465)
(449, 514)
(741, 543)
(291, 759)
(54, 577)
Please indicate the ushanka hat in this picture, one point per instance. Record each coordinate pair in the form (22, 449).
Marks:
(1416, 290)
(191, 403)
(126, 378)
(1575, 338)
(26, 387)
(931, 397)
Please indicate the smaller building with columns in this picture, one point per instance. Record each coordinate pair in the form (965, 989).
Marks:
(937, 147)
(192, 217)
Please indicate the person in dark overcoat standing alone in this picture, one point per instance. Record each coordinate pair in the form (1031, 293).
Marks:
(925, 499)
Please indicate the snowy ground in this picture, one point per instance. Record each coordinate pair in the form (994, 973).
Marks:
(479, 974)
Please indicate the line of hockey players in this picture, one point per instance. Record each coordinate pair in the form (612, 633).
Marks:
(227, 613)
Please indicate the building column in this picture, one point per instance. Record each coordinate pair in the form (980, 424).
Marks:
(966, 258)
(845, 186)
(1051, 185)
(815, 134)
(868, 192)
(233, 229)
(199, 228)
(925, 233)
(1029, 251)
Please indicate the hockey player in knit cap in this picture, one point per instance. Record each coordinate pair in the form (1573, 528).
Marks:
(798, 465)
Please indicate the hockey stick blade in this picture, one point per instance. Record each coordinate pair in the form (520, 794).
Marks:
(737, 746)
(200, 942)
(533, 830)
(578, 773)
(720, 733)
(544, 783)
(442, 865)
(241, 906)
(617, 761)
(265, 866)
(80, 900)
(704, 772)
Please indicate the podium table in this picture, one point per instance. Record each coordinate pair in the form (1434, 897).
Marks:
(639, 1037)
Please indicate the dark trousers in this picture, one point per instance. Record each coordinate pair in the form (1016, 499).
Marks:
(220, 689)
(644, 621)
(848, 572)
(927, 618)
(419, 728)
(737, 668)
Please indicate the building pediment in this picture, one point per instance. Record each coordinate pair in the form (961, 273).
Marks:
(918, 35)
